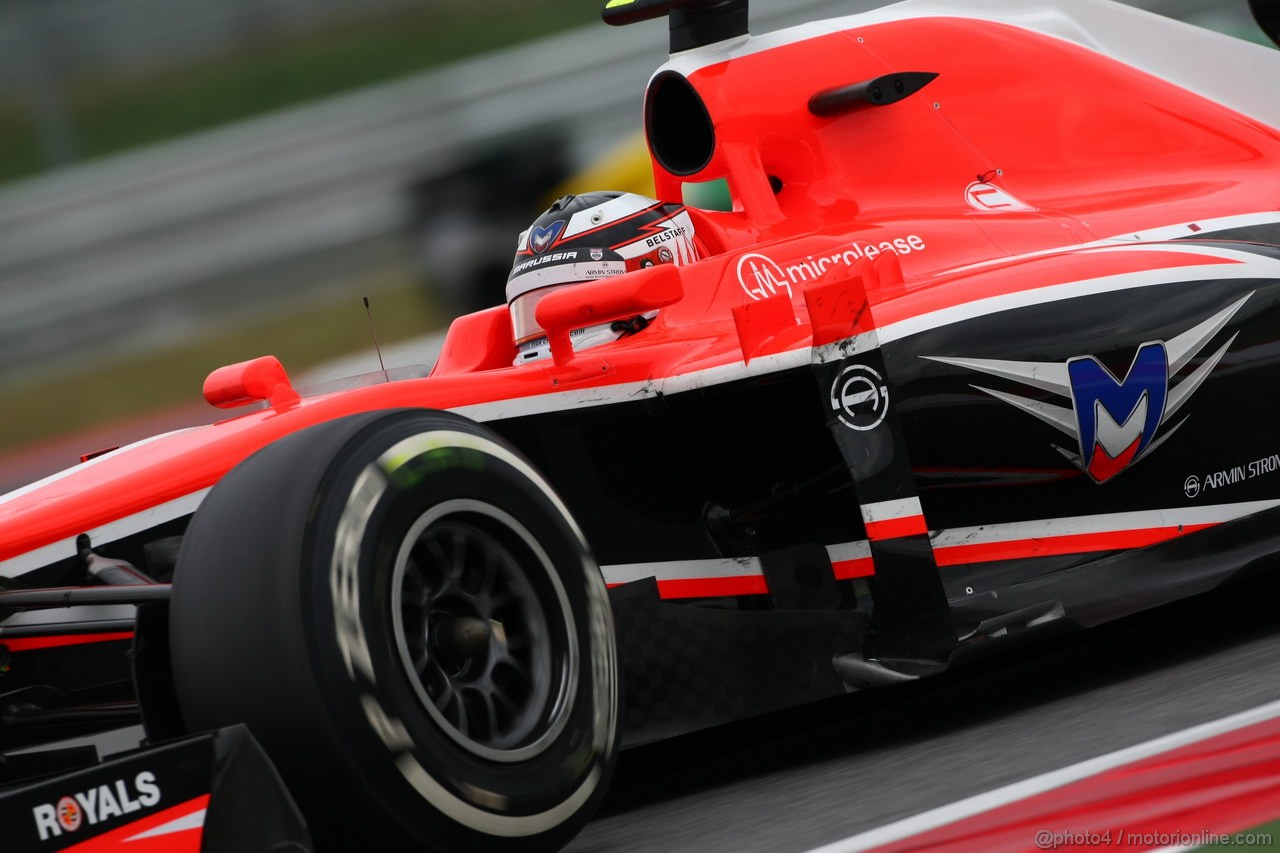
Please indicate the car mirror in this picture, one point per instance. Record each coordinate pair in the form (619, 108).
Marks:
(603, 301)
(252, 381)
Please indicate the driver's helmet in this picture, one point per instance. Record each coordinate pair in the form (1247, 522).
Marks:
(589, 237)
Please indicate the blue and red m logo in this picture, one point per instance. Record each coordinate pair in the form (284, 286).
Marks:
(1116, 422)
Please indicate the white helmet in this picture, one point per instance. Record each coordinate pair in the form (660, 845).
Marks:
(589, 237)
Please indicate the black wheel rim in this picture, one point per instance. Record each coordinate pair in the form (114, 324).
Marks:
(484, 630)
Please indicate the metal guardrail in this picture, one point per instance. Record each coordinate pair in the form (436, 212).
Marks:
(149, 245)
(76, 36)
(146, 246)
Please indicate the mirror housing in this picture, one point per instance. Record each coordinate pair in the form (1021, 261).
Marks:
(252, 381)
(615, 298)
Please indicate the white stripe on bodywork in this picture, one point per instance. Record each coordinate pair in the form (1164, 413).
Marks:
(711, 569)
(1053, 377)
(1237, 265)
(848, 551)
(1112, 523)
(707, 569)
(684, 570)
(735, 371)
(1155, 238)
(1203, 229)
(745, 567)
(630, 391)
(195, 820)
(890, 510)
(109, 532)
(1241, 265)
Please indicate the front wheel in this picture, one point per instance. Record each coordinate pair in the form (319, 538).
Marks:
(410, 621)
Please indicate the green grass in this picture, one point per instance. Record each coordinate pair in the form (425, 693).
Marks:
(158, 380)
(112, 113)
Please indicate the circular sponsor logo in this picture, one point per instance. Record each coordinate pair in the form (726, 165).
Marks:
(1191, 486)
(665, 256)
(69, 814)
(860, 398)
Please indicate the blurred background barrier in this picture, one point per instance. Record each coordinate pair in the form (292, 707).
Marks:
(176, 168)
(139, 249)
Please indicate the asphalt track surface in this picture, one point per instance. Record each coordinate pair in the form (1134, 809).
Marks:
(809, 777)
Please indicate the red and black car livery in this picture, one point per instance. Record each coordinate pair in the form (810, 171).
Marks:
(984, 348)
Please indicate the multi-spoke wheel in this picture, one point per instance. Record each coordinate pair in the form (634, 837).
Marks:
(470, 598)
(409, 620)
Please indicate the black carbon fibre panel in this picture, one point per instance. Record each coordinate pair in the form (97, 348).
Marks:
(686, 667)
(1131, 581)
(800, 578)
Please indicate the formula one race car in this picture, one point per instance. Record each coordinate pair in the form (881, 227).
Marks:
(985, 348)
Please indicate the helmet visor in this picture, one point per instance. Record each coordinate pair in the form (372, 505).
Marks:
(523, 308)
(532, 285)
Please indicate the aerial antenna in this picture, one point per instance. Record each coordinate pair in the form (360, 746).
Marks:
(376, 346)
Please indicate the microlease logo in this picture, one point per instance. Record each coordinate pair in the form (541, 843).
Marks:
(96, 805)
(762, 277)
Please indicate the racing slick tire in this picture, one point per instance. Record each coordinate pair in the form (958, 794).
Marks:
(409, 620)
